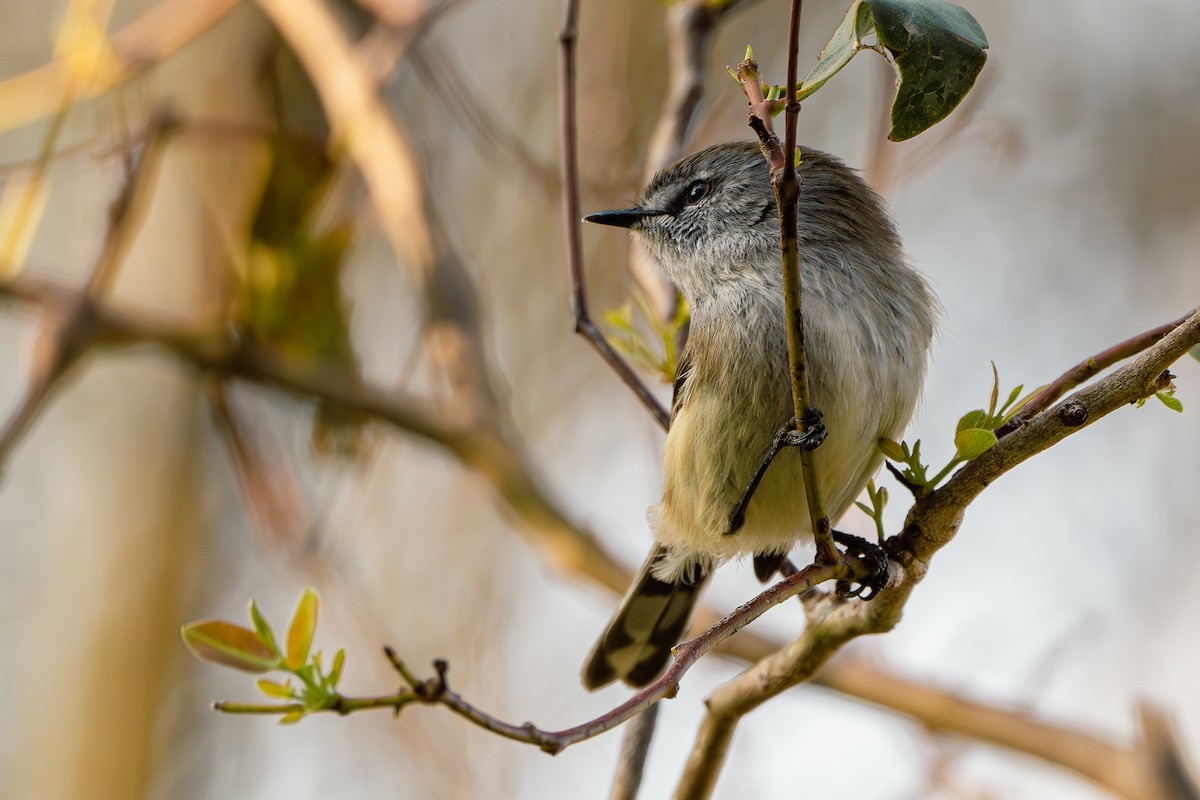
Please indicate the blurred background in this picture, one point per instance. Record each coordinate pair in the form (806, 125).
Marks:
(1056, 213)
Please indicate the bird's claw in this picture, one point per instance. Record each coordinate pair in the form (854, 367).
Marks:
(876, 560)
(808, 433)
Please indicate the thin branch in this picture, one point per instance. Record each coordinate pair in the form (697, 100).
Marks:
(270, 491)
(931, 524)
(68, 323)
(435, 690)
(154, 36)
(782, 161)
(570, 189)
(1086, 370)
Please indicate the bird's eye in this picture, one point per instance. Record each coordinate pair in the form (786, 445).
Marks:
(696, 192)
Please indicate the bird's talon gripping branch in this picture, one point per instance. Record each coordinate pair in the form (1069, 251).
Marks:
(808, 433)
(877, 562)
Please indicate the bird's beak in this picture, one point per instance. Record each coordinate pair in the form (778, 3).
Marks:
(625, 217)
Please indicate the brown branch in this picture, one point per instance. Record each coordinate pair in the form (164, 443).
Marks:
(785, 181)
(931, 524)
(570, 189)
(1086, 370)
(687, 654)
(154, 36)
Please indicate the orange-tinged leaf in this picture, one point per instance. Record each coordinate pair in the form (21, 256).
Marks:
(300, 631)
(220, 642)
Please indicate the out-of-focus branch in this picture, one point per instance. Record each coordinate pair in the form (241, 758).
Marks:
(137, 47)
(444, 81)
(690, 27)
(277, 508)
(65, 327)
(931, 524)
(1143, 770)
(570, 185)
(635, 747)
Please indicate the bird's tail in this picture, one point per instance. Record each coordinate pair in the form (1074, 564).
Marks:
(636, 645)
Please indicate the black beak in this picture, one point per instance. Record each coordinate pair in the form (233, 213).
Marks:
(625, 217)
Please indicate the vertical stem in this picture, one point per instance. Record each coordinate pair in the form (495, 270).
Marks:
(570, 197)
(787, 191)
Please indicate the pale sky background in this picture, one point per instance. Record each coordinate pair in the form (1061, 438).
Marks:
(1064, 217)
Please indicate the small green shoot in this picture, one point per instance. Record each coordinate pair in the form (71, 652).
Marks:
(308, 687)
(974, 435)
(878, 497)
(659, 350)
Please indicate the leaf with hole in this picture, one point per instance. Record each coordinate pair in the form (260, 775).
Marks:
(939, 50)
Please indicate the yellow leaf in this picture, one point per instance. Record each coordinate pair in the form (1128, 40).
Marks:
(300, 631)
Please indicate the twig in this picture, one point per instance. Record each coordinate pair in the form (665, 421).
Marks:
(785, 181)
(570, 189)
(931, 525)
(1086, 370)
(554, 742)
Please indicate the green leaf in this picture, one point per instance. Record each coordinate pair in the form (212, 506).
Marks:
(1012, 398)
(939, 50)
(1195, 351)
(866, 509)
(292, 717)
(972, 419)
(995, 390)
(300, 631)
(273, 689)
(263, 629)
(220, 642)
(973, 442)
(335, 672)
(1170, 401)
(841, 47)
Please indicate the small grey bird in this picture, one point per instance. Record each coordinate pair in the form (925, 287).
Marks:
(711, 222)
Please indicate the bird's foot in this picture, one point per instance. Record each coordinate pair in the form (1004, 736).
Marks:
(877, 563)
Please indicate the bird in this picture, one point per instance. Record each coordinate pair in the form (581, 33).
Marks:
(710, 221)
